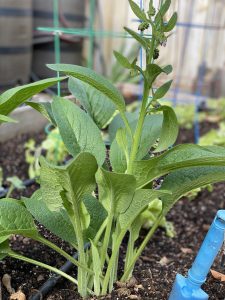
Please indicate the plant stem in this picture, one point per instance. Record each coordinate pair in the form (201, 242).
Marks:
(127, 125)
(11, 189)
(141, 248)
(82, 278)
(45, 266)
(138, 131)
(106, 239)
(64, 254)
(130, 250)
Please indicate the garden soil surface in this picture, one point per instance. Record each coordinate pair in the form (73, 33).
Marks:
(156, 269)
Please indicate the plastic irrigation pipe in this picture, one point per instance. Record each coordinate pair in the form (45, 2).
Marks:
(190, 288)
(51, 282)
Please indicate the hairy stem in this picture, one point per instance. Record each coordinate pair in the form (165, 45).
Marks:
(141, 248)
(106, 239)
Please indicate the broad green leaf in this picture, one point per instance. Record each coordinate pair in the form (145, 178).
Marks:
(122, 141)
(171, 24)
(66, 186)
(122, 60)
(58, 222)
(15, 219)
(97, 215)
(14, 97)
(97, 105)
(161, 92)
(183, 181)
(141, 40)
(138, 11)
(153, 71)
(5, 119)
(180, 157)
(115, 190)
(95, 80)
(45, 108)
(140, 201)
(97, 268)
(170, 129)
(151, 132)
(78, 131)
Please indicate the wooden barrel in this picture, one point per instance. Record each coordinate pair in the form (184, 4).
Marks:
(15, 42)
(72, 15)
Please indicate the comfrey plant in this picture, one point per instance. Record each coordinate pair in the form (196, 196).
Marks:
(68, 202)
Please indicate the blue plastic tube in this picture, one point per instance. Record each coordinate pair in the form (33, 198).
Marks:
(190, 288)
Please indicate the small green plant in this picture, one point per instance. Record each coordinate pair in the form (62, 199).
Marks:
(52, 148)
(66, 203)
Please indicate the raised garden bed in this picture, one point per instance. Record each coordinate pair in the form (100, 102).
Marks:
(155, 270)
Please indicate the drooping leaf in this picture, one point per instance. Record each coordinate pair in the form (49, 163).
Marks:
(14, 97)
(161, 91)
(78, 131)
(5, 119)
(141, 40)
(93, 79)
(151, 132)
(97, 215)
(15, 219)
(98, 106)
(58, 222)
(122, 60)
(62, 186)
(45, 108)
(171, 24)
(115, 190)
(140, 201)
(180, 157)
(183, 181)
(170, 129)
(138, 11)
(167, 69)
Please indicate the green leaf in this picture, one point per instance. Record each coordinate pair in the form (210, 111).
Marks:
(78, 131)
(151, 132)
(183, 181)
(15, 219)
(16, 182)
(163, 10)
(122, 141)
(170, 129)
(138, 11)
(141, 40)
(153, 71)
(58, 222)
(122, 60)
(117, 123)
(14, 97)
(180, 157)
(67, 185)
(95, 80)
(171, 24)
(45, 108)
(4, 247)
(97, 215)
(140, 201)
(161, 92)
(5, 119)
(115, 190)
(98, 106)
(168, 69)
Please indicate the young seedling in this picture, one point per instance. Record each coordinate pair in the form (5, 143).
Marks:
(66, 203)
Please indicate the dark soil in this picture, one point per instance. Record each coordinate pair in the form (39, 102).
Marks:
(155, 270)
